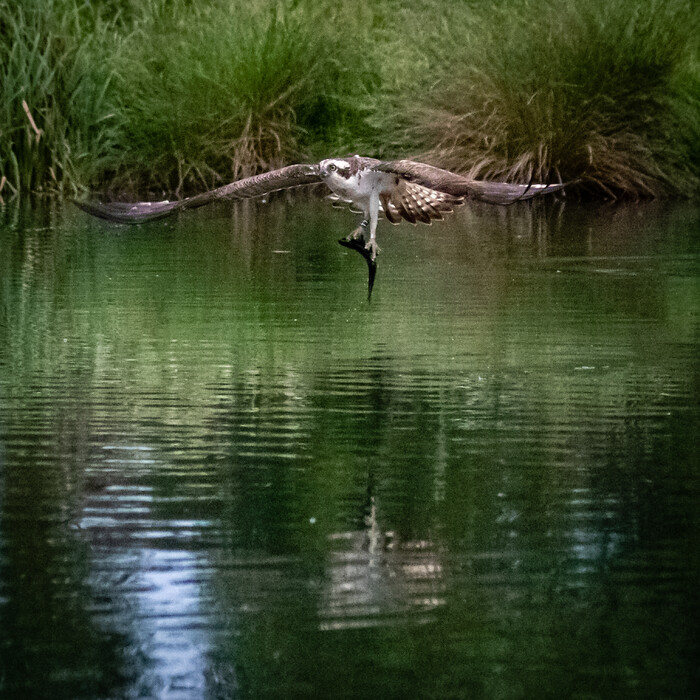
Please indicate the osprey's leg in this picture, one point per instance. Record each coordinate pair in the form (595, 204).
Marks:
(371, 244)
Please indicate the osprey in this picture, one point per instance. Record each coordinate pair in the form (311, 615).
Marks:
(398, 189)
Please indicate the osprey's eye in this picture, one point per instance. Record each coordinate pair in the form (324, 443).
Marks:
(332, 167)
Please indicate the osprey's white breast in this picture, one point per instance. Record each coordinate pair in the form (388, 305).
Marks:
(357, 186)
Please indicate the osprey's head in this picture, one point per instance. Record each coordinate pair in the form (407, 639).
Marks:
(339, 168)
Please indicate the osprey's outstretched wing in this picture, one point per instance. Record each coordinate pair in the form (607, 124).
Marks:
(459, 186)
(256, 186)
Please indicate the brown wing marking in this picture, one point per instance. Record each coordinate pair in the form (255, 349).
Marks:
(255, 186)
(390, 211)
(417, 203)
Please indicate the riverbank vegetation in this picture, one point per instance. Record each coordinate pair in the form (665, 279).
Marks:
(174, 97)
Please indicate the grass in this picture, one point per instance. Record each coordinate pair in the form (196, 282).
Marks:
(604, 90)
(214, 92)
(55, 123)
(180, 96)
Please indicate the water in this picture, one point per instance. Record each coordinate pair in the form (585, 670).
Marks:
(224, 474)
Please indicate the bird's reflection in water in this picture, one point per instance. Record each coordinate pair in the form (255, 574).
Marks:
(376, 579)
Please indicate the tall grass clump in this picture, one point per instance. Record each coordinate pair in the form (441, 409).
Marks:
(55, 125)
(607, 91)
(176, 95)
(215, 91)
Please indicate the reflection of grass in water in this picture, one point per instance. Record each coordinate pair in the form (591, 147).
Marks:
(182, 96)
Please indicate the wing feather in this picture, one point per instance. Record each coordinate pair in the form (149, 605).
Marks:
(451, 183)
(255, 186)
(417, 203)
(390, 211)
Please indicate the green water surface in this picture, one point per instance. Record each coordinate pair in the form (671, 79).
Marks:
(224, 474)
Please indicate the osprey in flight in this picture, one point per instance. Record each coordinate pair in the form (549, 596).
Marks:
(400, 189)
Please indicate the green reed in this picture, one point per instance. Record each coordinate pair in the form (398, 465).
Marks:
(55, 119)
(607, 91)
(178, 96)
(213, 92)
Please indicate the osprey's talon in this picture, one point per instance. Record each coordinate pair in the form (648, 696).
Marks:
(359, 232)
(372, 247)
